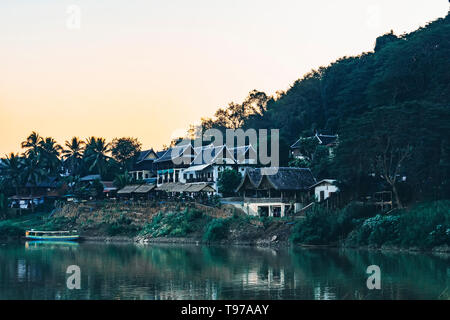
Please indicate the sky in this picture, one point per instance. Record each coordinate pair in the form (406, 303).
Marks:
(150, 68)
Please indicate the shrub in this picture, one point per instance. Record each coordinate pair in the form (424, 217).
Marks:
(194, 214)
(216, 230)
(319, 227)
(175, 224)
(266, 221)
(323, 226)
(426, 225)
(228, 181)
(8, 230)
(380, 230)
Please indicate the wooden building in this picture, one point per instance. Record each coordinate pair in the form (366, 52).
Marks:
(275, 191)
(144, 168)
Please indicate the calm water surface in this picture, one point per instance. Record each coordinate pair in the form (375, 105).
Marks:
(128, 271)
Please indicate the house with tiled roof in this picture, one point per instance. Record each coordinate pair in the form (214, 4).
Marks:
(298, 148)
(185, 164)
(143, 167)
(274, 191)
(172, 162)
(208, 162)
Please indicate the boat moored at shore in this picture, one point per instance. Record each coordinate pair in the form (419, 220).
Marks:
(71, 235)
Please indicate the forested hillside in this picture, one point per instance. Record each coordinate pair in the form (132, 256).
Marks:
(390, 108)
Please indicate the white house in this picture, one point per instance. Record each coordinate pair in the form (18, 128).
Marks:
(207, 165)
(200, 165)
(324, 189)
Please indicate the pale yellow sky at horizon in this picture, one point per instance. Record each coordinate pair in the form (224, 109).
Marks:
(147, 69)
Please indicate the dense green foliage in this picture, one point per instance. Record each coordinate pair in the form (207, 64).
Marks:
(15, 227)
(216, 230)
(11, 231)
(322, 227)
(228, 181)
(3, 205)
(175, 224)
(121, 226)
(43, 159)
(390, 108)
(124, 150)
(425, 226)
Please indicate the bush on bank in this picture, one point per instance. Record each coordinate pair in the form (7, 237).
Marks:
(175, 224)
(426, 225)
(322, 226)
(11, 231)
(216, 230)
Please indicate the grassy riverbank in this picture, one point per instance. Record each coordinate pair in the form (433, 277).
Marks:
(423, 227)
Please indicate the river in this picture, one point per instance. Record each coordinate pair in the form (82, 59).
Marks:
(127, 271)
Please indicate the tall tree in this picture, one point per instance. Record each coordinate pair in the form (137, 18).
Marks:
(228, 181)
(33, 173)
(381, 142)
(50, 151)
(32, 144)
(74, 154)
(235, 115)
(124, 150)
(12, 167)
(96, 154)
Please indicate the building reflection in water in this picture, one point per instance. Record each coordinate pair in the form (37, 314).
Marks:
(158, 272)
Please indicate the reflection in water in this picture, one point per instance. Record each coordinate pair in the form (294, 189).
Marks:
(38, 271)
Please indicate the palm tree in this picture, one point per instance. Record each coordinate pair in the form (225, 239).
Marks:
(32, 144)
(96, 154)
(50, 151)
(122, 180)
(33, 173)
(12, 170)
(74, 153)
(72, 182)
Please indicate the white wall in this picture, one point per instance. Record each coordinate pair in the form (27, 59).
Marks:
(326, 188)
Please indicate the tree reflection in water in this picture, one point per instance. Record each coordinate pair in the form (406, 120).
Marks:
(128, 271)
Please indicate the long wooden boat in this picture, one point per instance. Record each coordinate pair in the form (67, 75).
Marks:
(52, 235)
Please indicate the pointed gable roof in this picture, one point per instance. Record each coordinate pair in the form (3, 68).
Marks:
(176, 152)
(213, 155)
(282, 178)
(243, 153)
(146, 155)
(326, 139)
(323, 139)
